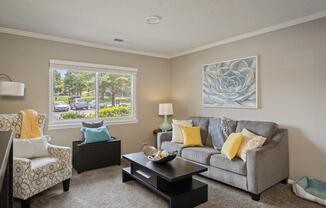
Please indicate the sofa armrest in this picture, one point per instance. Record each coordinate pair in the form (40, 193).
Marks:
(269, 164)
(21, 166)
(162, 137)
(60, 152)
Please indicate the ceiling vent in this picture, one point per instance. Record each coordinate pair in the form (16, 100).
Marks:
(118, 40)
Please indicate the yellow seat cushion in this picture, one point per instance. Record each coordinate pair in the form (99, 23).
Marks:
(231, 145)
(191, 136)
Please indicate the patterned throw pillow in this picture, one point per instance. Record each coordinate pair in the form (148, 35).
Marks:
(220, 129)
(250, 141)
(177, 136)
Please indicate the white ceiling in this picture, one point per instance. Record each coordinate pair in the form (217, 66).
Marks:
(186, 25)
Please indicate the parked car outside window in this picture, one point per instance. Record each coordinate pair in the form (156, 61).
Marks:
(59, 106)
(78, 104)
(102, 104)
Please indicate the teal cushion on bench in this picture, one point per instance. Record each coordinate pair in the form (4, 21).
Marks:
(93, 135)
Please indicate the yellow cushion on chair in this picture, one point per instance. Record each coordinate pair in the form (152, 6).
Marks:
(191, 136)
(231, 145)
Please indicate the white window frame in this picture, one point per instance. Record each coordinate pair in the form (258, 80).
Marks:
(91, 67)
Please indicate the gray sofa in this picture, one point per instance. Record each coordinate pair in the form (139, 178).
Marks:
(265, 166)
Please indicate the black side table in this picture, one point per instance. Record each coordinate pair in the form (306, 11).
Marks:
(157, 131)
(96, 155)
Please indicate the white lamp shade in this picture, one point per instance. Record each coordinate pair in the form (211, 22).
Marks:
(165, 109)
(8, 88)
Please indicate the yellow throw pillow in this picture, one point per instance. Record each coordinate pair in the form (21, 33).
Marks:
(250, 141)
(231, 145)
(191, 136)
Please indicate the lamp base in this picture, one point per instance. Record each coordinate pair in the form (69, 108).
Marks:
(165, 126)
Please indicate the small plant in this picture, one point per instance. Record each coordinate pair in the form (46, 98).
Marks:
(115, 111)
(72, 115)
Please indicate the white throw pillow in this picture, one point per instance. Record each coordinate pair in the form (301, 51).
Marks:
(31, 148)
(249, 141)
(181, 122)
(177, 136)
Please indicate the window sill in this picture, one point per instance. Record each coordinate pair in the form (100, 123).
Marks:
(78, 124)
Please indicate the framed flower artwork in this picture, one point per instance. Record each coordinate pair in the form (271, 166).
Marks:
(230, 84)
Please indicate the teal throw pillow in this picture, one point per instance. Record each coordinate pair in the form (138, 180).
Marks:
(93, 135)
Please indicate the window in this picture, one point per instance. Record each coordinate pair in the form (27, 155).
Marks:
(90, 92)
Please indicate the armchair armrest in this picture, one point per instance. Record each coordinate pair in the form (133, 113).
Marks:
(269, 164)
(162, 137)
(21, 166)
(60, 152)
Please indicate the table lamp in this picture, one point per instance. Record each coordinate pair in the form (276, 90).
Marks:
(165, 109)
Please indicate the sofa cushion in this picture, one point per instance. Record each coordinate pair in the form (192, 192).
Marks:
(176, 129)
(198, 154)
(93, 124)
(202, 123)
(262, 128)
(171, 147)
(93, 135)
(213, 130)
(232, 145)
(42, 166)
(31, 147)
(236, 165)
(191, 137)
(218, 131)
(249, 141)
(230, 178)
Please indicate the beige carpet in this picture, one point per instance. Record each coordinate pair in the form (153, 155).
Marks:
(103, 188)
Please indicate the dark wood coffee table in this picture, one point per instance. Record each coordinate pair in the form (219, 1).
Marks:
(173, 180)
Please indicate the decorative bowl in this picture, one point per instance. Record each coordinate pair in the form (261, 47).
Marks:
(151, 152)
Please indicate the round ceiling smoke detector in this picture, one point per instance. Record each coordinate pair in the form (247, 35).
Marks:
(153, 19)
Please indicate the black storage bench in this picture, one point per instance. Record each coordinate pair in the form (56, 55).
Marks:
(96, 155)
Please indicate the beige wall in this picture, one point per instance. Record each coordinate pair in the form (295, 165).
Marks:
(292, 88)
(27, 60)
(292, 84)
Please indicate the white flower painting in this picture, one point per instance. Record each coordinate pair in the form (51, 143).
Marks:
(230, 84)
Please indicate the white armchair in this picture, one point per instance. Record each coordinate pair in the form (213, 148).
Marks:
(32, 176)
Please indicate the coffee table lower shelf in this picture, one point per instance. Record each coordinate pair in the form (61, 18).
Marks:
(186, 193)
